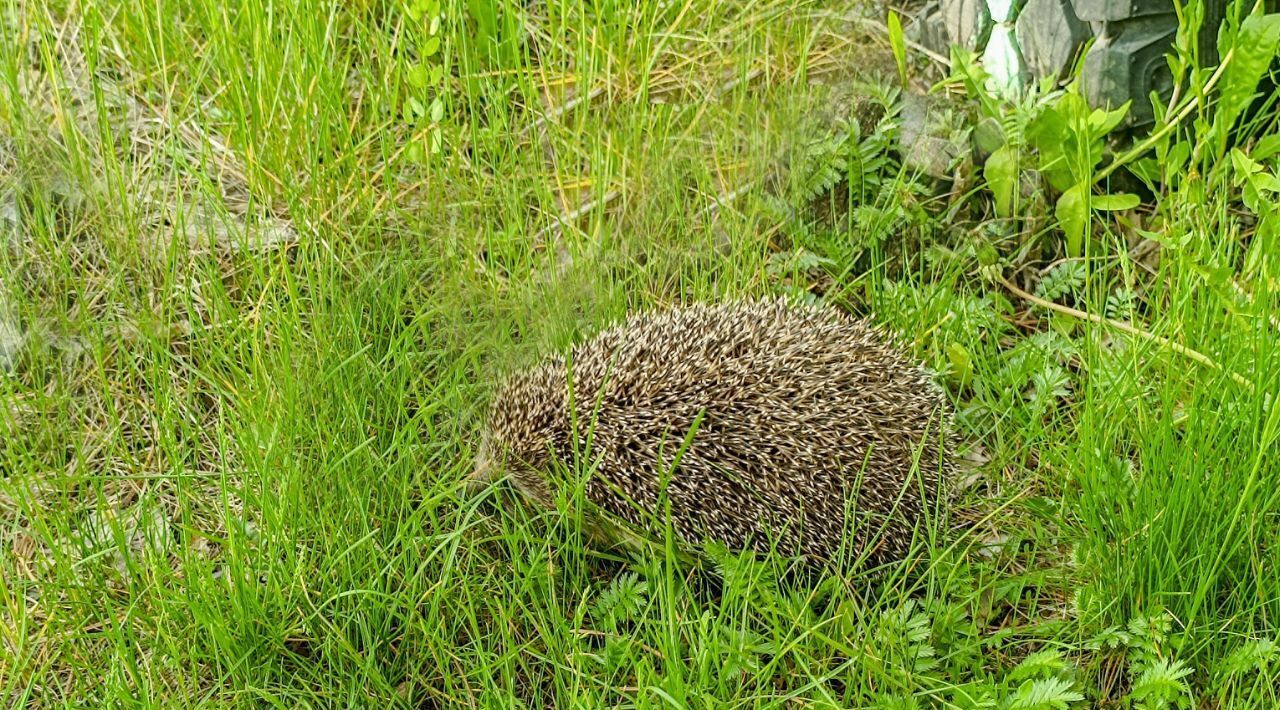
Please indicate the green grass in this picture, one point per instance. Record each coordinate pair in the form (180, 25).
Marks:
(263, 318)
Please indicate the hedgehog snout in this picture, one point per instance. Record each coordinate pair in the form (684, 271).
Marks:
(483, 469)
(495, 459)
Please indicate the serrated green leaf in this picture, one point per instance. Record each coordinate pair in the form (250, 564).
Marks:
(1041, 664)
(1055, 693)
(1073, 217)
(1163, 681)
(1001, 173)
(1256, 654)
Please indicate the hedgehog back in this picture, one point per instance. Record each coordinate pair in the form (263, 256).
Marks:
(803, 415)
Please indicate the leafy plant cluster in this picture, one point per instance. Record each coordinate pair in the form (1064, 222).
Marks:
(849, 195)
(1212, 134)
(447, 43)
(426, 89)
(906, 654)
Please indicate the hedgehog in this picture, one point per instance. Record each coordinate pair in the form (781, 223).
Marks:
(760, 425)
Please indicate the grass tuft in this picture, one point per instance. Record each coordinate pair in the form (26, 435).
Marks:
(262, 263)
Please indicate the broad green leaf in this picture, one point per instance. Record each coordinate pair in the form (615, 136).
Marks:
(1073, 108)
(415, 108)
(1048, 128)
(1217, 276)
(416, 9)
(898, 45)
(987, 254)
(1266, 147)
(437, 110)
(966, 67)
(1073, 216)
(1265, 182)
(431, 46)
(1255, 46)
(1255, 180)
(961, 364)
(1243, 164)
(1109, 203)
(1001, 172)
(418, 76)
(485, 15)
(1101, 122)
(1065, 136)
(1049, 133)
(1252, 172)
(1177, 241)
(1173, 158)
(415, 153)
(1147, 170)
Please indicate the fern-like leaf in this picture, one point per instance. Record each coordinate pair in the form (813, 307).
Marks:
(622, 600)
(1163, 684)
(1041, 664)
(1064, 278)
(1045, 694)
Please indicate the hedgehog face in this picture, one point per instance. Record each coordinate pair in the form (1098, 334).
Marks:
(524, 431)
